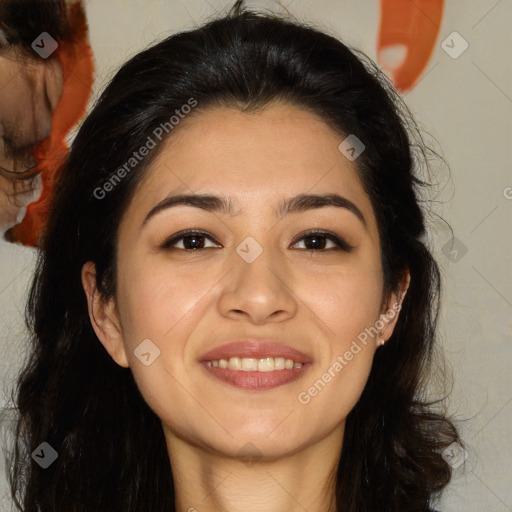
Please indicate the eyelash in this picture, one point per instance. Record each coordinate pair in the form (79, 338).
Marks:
(341, 244)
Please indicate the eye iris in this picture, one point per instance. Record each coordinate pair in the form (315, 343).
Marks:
(315, 238)
(194, 241)
(197, 245)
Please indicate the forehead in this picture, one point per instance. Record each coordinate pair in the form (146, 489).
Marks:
(254, 157)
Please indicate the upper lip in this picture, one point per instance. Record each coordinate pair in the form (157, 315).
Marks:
(256, 348)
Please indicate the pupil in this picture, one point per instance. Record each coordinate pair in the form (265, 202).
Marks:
(313, 238)
(197, 244)
(193, 237)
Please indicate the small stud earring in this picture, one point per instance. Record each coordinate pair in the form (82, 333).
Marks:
(380, 341)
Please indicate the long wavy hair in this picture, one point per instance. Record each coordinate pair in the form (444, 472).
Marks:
(112, 455)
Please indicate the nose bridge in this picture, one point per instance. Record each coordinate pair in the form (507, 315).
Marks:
(257, 262)
(258, 287)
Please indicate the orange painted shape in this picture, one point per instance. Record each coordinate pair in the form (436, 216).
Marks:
(407, 36)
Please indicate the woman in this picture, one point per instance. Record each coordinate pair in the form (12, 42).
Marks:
(235, 307)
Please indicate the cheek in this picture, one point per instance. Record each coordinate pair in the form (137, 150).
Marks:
(162, 307)
(348, 305)
(152, 300)
(333, 392)
(337, 382)
(346, 299)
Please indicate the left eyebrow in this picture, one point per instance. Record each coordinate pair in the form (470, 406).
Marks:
(226, 205)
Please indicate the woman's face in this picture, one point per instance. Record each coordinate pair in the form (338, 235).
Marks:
(255, 276)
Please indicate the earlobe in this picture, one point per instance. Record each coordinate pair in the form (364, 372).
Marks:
(103, 316)
(389, 315)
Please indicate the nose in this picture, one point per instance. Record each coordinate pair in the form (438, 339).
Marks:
(258, 292)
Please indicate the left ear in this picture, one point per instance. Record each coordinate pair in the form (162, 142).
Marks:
(391, 308)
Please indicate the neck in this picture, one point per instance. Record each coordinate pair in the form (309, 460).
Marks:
(207, 481)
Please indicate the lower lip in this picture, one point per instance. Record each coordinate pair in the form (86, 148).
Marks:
(256, 380)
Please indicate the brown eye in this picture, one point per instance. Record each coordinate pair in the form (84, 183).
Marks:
(317, 240)
(192, 240)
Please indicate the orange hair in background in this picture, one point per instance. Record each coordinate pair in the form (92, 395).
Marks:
(76, 60)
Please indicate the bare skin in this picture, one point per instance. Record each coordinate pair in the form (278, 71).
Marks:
(188, 302)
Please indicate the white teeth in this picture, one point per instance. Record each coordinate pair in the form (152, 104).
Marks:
(251, 364)
(235, 363)
(266, 364)
(279, 363)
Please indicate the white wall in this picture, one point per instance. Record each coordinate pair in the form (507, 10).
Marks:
(466, 104)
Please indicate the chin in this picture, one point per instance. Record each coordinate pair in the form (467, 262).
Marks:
(269, 443)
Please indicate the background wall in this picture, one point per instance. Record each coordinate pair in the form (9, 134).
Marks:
(466, 104)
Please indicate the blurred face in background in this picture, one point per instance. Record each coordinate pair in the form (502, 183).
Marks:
(29, 92)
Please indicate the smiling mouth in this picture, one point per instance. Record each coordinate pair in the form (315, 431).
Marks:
(255, 374)
(248, 364)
